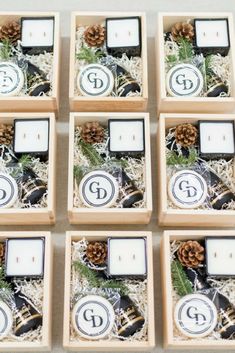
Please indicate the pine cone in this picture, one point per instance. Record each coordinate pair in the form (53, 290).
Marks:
(94, 36)
(182, 29)
(186, 135)
(191, 254)
(11, 32)
(6, 134)
(92, 132)
(2, 253)
(97, 253)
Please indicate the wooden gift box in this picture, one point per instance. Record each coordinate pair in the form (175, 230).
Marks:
(27, 216)
(100, 215)
(190, 104)
(43, 103)
(105, 345)
(45, 344)
(183, 217)
(169, 341)
(82, 103)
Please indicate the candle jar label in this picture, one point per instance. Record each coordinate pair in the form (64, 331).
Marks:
(93, 317)
(195, 315)
(98, 189)
(187, 189)
(184, 80)
(11, 79)
(8, 191)
(95, 80)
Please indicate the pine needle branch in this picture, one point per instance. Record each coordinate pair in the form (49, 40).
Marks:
(89, 55)
(78, 173)
(174, 159)
(95, 281)
(180, 281)
(90, 152)
(5, 49)
(186, 51)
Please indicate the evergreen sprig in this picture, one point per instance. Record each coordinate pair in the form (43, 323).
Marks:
(180, 281)
(174, 159)
(25, 161)
(90, 152)
(78, 173)
(89, 55)
(4, 285)
(95, 281)
(5, 49)
(186, 51)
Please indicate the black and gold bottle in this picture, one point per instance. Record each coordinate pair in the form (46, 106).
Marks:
(130, 320)
(26, 317)
(125, 83)
(32, 187)
(219, 193)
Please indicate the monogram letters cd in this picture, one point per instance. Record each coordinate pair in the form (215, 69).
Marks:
(184, 80)
(98, 189)
(95, 80)
(195, 315)
(93, 317)
(187, 189)
(8, 191)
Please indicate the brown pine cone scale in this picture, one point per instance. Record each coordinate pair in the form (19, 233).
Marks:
(182, 30)
(11, 32)
(92, 132)
(96, 252)
(191, 254)
(94, 35)
(6, 134)
(186, 135)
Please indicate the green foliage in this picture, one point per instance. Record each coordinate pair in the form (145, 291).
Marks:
(89, 55)
(5, 49)
(91, 154)
(25, 161)
(174, 159)
(3, 283)
(96, 282)
(180, 282)
(171, 59)
(186, 51)
(78, 173)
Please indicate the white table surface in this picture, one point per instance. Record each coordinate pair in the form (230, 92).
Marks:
(65, 7)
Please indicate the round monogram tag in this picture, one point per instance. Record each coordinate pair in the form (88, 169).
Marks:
(98, 189)
(95, 80)
(8, 191)
(184, 80)
(195, 315)
(6, 319)
(11, 79)
(187, 189)
(93, 317)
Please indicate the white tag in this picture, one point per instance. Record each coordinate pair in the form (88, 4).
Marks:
(6, 320)
(11, 79)
(8, 191)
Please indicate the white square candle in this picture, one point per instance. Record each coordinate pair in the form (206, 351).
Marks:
(220, 256)
(31, 136)
(37, 32)
(127, 257)
(25, 257)
(217, 138)
(212, 33)
(124, 33)
(126, 136)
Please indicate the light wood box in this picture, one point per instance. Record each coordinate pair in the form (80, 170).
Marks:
(168, 324)
(45, 344)
(190, 104)
(182, 217)
(100, 215)
(27, 216)
(104, 345)
(82, 103)
(27, 103)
